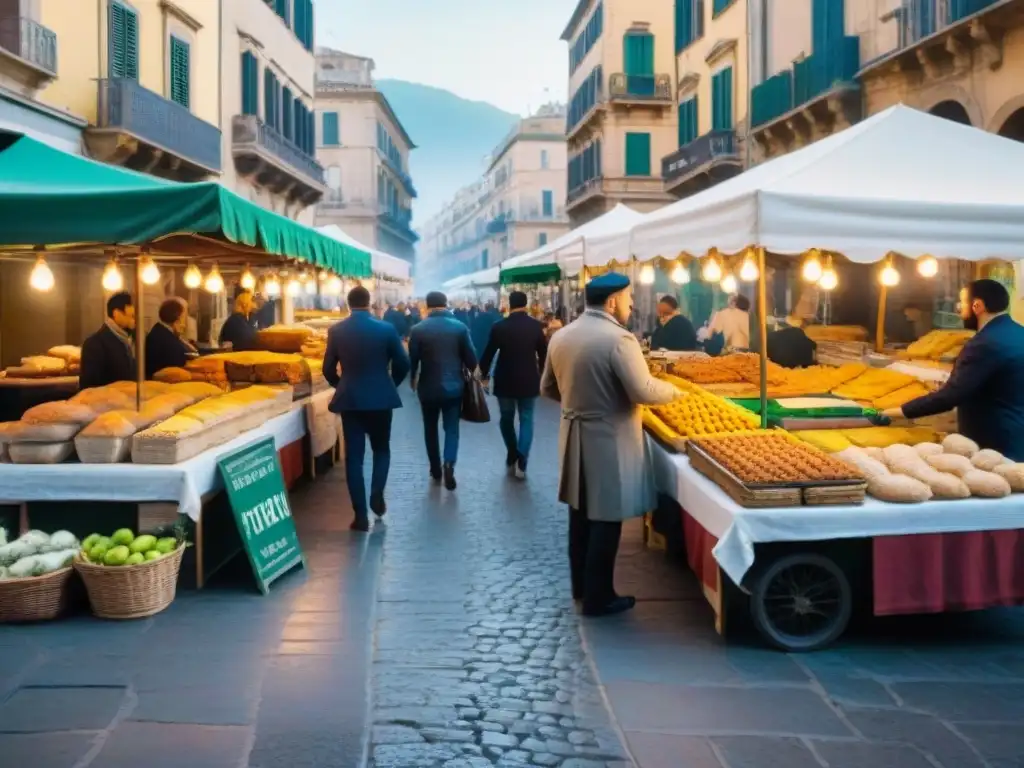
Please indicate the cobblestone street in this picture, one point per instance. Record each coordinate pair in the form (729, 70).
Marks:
(447, 639)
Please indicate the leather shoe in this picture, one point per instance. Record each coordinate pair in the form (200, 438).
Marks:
(449, 476)
(616, 605)
(435, 474)
(361, 524)
(378, 505)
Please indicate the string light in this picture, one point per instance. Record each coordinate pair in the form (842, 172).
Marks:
(889, 277)
(247, 280)
(293, 288)
(214, 283)
(310, 286)
(928, 266)
(113, 280)
(41, 277)
(680, 275)
(748, 270)
(829, 279)
(646, 275)
(728, 284)
(712, 270)
(334, 286)
(272, 286)
(150, 272)
(812, 268)
(193, 277)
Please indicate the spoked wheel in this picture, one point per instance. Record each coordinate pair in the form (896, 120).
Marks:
(801, 602)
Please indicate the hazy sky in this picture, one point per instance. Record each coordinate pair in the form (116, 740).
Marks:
(502, 51)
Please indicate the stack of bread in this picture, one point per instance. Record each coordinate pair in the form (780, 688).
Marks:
(265, 368)
(284, 338)
(208, 369)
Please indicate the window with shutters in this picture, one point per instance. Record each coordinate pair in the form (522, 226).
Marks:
(271, 104)
(123, 41)
(638, 154)
(547, 202)
(688, 121)
(330, 129)
(542, 239)
(287, 114)
(638, 53)
(721, 100)
(180, 71)
(250, 84)
(717, 6)
(689, 22)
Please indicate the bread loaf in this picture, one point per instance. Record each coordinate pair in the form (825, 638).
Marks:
(950, 462)
(899, 489)
(172, 375)
(112, 424)
(987, 459)
(986, 484)
(59, 412)
(1011, 473)
(960, 445)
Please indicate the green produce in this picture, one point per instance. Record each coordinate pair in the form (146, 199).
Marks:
(117, 556)
(142, 543)
(98, 552)
(154, 554)
(135, 558)
(123, 536)
(166, 545)
(91, 541)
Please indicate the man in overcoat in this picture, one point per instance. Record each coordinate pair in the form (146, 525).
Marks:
(596, 370)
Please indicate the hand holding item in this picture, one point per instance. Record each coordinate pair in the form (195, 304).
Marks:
(893, 413)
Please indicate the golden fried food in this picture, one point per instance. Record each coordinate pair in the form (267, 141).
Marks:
(698, 413)
(774, 457)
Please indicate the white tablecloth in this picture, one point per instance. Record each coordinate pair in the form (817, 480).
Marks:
(185, 483)
(739, 528)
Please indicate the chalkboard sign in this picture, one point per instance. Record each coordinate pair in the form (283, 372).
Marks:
(259, 502)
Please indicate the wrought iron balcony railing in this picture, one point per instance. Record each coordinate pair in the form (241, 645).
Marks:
(251, 130)
(626, 87)
(31, 41)
(702, 151)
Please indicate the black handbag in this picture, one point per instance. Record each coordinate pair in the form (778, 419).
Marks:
(474, 401)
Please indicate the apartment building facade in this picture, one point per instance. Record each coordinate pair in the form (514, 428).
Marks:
(711, 94)
(622, 108)
(365, 151)
(515, 207)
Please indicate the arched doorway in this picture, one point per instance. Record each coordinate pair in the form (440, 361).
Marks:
(951, 110)
(1013, 128)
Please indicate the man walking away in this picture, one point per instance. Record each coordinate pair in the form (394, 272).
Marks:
(521, 346)
(596, 370)
(365, 396)
(397, 318)
(440, 350)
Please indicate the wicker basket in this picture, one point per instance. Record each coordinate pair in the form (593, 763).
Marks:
(36, 598)
(134, 591)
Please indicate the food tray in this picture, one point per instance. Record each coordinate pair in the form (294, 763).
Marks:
(835, 495)
(102, 450)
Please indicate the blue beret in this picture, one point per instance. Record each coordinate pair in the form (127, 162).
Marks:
(600, 288)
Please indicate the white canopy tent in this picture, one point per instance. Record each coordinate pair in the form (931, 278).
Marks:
(901, 181)
(382, 263)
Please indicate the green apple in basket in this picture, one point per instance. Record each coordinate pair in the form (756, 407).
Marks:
(142, 544)
(135, 558)
(117, 555)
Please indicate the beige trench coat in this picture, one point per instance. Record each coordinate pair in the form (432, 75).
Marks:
(596, 370)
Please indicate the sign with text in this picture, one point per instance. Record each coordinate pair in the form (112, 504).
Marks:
(259, 502)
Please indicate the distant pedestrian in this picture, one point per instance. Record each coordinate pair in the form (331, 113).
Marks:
(373, 363)
(397, 317)
(441, 353)
(480, 328)
(596, 370)
(521, 347)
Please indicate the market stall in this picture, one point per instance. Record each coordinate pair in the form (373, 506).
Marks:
(391, 275)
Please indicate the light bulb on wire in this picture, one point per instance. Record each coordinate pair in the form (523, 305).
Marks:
(889, 277)
(812, 268)
(928, 266)
(41, 277)
(748, 270)
(334, 286)
(310, 286)
(272, 286)
(248, 279)
(680, 275)
(646, 275)
(828, 280)
(324, 275)
(113, 280)
(728, 284)
(214, 283)
(150, 272)
(712, 270)
(293, 288)
(193, 277)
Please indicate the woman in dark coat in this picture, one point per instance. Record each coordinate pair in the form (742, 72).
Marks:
(165, 343)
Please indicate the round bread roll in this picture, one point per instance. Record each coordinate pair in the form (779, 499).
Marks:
(986, 459)
(859, 458)
(950, 462)
(899, 453)
(928, 449)
(1013, 474)
(899, 489)
(960, 445)
(943, 485)
(987, 485)
(875, 453)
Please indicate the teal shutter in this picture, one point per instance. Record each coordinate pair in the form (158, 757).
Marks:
(330, 129)
(269, 111)
(638, 154)
(123, 42)
(547, 204)
(542, 239)
(250, 84)
(131, 44)
(721, 100)
(638, 53)
(180, 79)
(287, 114)
(688, 116)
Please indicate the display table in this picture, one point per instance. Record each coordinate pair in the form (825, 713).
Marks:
(925, 558)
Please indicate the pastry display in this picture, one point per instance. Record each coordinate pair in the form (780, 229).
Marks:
(697, 413)
(836, 332)
(172, 375)
(284, 338)
(768, 458)
(873, 384)
(38, 367)
(266, 368)
(938, 344)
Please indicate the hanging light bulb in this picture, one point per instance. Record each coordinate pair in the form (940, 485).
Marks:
(293, 288)
(324, 275)
(272, 286)
(728, 284)
(712, 270)
(748, 270)
(193, 277)
(646, 275)
(214, 283)
(828, 280)
(812, 267)
(889, 276)
(41, 277)
(334, 286)
(928, 266)
(680, 275)
(150, 272)
(248, 279)
(113, 280)
(310, 286)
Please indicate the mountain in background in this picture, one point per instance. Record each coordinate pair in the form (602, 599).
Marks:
(453, 138)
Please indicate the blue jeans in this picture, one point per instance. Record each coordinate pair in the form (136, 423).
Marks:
(449, 412)
(356, 426)
(508, 406)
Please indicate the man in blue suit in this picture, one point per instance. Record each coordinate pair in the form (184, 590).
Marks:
(441, 352)
(987, 383)
(373, 363)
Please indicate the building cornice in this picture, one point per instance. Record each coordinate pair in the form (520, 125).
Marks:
(720, 50)
(181, 14)
(356, 93)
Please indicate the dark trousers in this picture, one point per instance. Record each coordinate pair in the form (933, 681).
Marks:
(593, 547)
(357, 426)
(448, 411)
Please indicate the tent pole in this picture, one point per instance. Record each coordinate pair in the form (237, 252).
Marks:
(883, 296)
(762, 321)
(140, 342)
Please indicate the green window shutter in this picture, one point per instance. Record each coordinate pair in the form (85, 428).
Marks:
(638, 53)
(287, 114)
(688, 121)
(250, 84)
(638, 154)
(123, 42)
(310, 16)
(180, 81)
(330, 129)
(721, 100)
(131, 45)
(300, 21)
(268, 97)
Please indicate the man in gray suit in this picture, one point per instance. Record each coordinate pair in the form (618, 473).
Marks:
(596, 370)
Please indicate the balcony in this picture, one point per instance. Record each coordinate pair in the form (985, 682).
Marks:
(399, 222)
(399, 173)
(536, 214)
(706, 160)
(818, 96)
(642, 192)
(31, 50)
(498, 225)
(142, 130)
(263, 154)
(640, 89)
(939, 38)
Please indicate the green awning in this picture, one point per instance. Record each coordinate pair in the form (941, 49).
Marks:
(49, 197)
(531, 274)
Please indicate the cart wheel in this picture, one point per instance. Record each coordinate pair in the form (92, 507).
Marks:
(801, 602)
